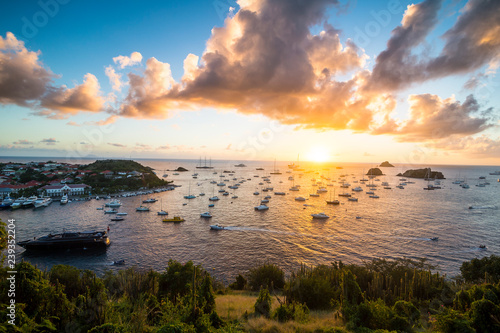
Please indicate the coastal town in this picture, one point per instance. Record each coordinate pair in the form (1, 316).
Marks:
(57, 179)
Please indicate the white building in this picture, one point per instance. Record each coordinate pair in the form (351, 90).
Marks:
(69, 189)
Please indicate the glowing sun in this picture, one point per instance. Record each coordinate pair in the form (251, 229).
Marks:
(318, 154)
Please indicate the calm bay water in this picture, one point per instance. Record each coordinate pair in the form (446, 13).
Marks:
(400, 223)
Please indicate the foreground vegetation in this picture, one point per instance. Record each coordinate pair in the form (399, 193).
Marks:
(398, 295)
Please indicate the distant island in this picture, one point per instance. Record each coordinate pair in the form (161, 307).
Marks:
(181, 169)
(374, 172)
(386, 164)
(422, 174)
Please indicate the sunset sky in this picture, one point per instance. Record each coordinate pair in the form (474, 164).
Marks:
(359, 81)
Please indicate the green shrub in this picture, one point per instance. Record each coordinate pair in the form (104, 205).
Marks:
(267, 276)
(292, 311)
(485, 316)
(451, 321)
(239, 284)
(263, 304)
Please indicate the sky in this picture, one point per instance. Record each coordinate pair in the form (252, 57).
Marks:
(329, 80)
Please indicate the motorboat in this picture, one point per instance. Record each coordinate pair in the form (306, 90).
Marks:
(162, 212)
(110, 211)
(118, 262)
(264, 201)
(142, 209)
(30, 201)
(7, 202)
(300, 199)
(321, 216)
(374, 196)
(114, 204)
(64, 199)
(190, 196)
(352, 199)
(211, 205)
(18, 203)
(234, 197)
(346, 195)
(321, 190)
(279, 193)
(174, 219)
(357, 189)
(121, 214)
(314, 195)
(214, 198)
(483, 247)
(434, 238)
(294, 188)
(42, 202)
(256, 193)
(68, 240)
(496, 173)
(217, 227)
(118, 218)
(206, 215)
(261, 207)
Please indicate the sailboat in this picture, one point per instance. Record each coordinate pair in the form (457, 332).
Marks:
(189, 196)
(162, 212)
(276, 171)
(205, 166)
(332, 202)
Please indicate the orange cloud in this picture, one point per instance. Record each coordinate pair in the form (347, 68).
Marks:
(432, 118)
(83, 97)
(23, 79)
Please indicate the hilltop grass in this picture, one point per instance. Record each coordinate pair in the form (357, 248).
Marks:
(239, 306)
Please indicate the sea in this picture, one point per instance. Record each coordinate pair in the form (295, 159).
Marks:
(399, 224)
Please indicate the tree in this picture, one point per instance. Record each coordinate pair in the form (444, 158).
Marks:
(263, 304)
(268, 276)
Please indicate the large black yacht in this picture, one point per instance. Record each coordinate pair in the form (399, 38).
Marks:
(68, 240)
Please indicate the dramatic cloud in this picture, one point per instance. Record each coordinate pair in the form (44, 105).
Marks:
(264, 61)
(146, 93)
(83, 97)
(23, 142)
(396, 67)
(124, 61)
(474, 41)
(432, 118)
(23, 79)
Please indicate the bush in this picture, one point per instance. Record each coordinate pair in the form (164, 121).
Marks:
(293, 311)
(239, 284)
(450, 321)
(267, 276)
(485, 316)
(477, 269)
(263, 304)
